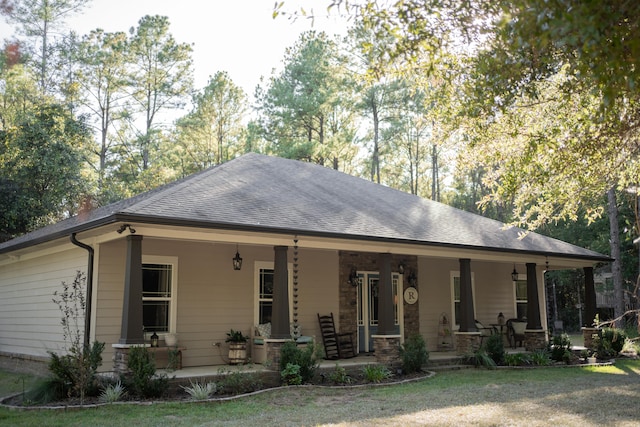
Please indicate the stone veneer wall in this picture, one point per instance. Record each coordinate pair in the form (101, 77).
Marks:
(368, 261)
(535, 339)
(467, 342)
(387, 349)
(120, 358)
(273, 353)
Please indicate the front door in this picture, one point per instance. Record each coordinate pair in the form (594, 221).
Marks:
(368, 307)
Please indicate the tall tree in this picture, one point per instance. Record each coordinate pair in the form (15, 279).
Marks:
(161, 79)
(41, 21)
(213, 131)
(102, 60)
(302, 105)
(41, 169)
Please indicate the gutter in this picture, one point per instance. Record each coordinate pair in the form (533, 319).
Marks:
(89, 297)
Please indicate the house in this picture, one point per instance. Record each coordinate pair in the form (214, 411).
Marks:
(309, 239)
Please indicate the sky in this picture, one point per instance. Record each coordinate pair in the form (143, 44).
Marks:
(236, 36)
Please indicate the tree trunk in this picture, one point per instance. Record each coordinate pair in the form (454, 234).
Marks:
(375, 164)
(616, 267)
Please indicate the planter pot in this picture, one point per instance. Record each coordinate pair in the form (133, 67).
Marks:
(171, 340)
(237, 353)
(592, 360)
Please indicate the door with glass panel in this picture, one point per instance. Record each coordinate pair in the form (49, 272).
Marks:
(368, 308)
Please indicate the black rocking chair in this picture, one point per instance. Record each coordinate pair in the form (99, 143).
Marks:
(336, 346)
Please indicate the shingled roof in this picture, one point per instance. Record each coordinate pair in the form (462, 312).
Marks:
(271, 194)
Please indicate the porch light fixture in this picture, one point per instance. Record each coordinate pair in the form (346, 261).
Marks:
(353, 277)
(514, 274)
(401, 268)
(154, 340)
(412, 278)
(124, 227)
(237, 261)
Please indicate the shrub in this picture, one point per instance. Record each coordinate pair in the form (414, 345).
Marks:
(237, 382)
(142, 380)
(74, 374)
(494, 346)
(609, 342)
(479, 358)
(45, 390)
(340, 376)
(113, 393)
(516, 359)
(559, 346)
(200, 391)
(305, 358)
(414, 354)
(540, 358)
(290, 375)
(376, 373)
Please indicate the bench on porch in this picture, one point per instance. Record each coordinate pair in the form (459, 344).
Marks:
(166, 352)
(261, 337)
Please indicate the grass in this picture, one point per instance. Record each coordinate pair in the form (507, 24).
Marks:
(479, 397)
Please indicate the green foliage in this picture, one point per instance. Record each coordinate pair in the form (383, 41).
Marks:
(212, 132)
(303, 112)
(305, 358)
(238, 382)
(609, 342)
(376, 373)
(479, 358)
(290, 375)
(540, 358)
(414, 354)
(141, 380)
(40, 166)
(340, 376)
(74, 374)
(114, 392)
(173, 356)
(494, 346)
(559, 346)
(200, 391)
(516, 359)
(236, 336)
(46, 390)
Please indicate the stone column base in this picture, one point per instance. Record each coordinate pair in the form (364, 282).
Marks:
(387, 349)
(587, 336)
(467, 342)
(273, 353)
(121, 357)
(535, 339)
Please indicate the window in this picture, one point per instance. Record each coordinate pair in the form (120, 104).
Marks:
(455, 296)
(265, 295)
(521, 298)
(158, 296)
(264, 291)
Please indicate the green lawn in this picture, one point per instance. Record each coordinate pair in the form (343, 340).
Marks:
(535, 397)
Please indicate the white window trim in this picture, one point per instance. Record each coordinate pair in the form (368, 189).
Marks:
(269, 265)
(521, 277)
(173, 304)
(452, 275)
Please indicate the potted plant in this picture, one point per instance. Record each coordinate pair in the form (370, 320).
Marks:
(237, 347)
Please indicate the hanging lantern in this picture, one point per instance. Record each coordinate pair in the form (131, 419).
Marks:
(154, 340)
(237, 261)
